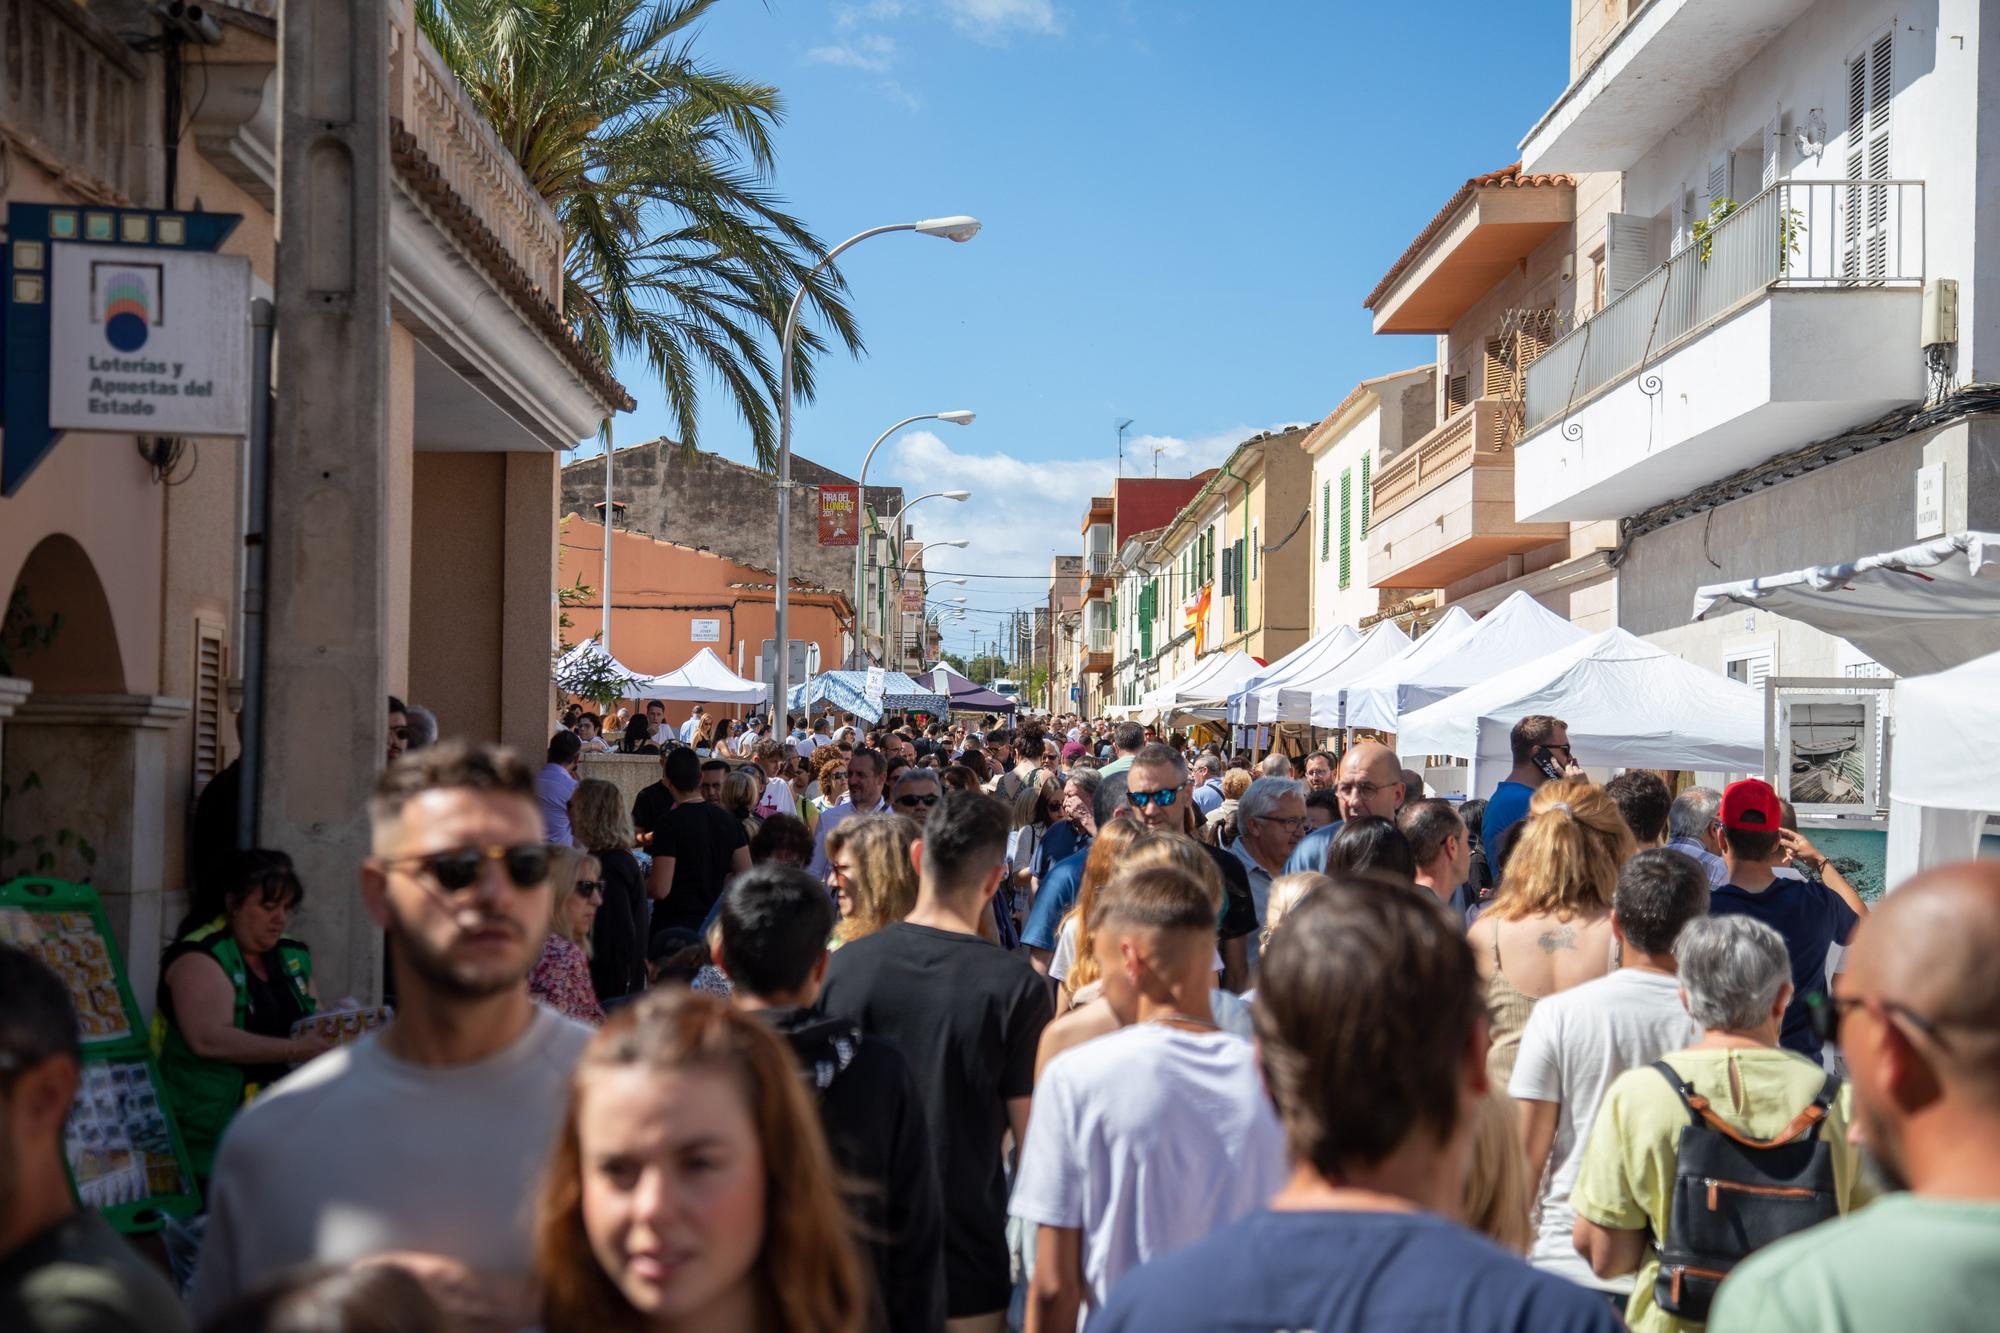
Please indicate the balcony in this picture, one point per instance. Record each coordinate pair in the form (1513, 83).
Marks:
(1098, 647)
(73, 99)
(1795, 318)
(1670, 60)
(1444, 507)
(1482, 234)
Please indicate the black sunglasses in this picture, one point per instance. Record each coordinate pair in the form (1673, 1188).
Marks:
(917, 800)
(527, 865)
(590, 888)
(1826, 1010)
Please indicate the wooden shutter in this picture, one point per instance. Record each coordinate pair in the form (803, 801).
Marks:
(1718, 181)
(209, 668)
(1240, 604)
(1367, 497)
(1456, 390)
(1628, 251)
(1497, 381)
(1865, 237)
(1346, 526)
(1683, 232)
(1325, 520)
(1773, 163)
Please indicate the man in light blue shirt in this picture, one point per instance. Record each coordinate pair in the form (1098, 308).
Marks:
(1694, 828)
(1270, 819)
(556, 783)
(1207, 783)
(1369, 781)
(692, 725)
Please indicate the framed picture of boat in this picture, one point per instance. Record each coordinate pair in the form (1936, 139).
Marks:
(1828, 745)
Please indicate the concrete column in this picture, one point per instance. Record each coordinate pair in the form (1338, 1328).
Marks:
(528, 559)
(326, 639)
(99, 763)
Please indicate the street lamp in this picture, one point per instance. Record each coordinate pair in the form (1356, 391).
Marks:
(895, 526)
(957, 418)
(955, 228)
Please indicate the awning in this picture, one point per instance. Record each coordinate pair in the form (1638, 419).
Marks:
(1518, 630)
(588, 667)
(1309, 658)
(706, 678)
(1920, 609)
(847, 692)
(1208, 681)
(965, 696)
(1333, 706)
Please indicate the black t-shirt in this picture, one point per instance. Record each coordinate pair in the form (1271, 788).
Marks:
(649, 808)
(967, 1015)
(1239, 910)
(618, 936)
(701, 838)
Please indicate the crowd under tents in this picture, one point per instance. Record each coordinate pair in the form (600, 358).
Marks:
(1331, 700)
(1517, 631)
(1929, 608)
(847, 692)
(1628, 703)
(965, 696)
(703, 678)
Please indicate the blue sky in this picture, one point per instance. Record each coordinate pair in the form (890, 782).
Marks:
(1184, 203)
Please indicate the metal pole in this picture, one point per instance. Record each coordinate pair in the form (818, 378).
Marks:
(782, 596)
(604, 634)
(860, 507)
(256, 521)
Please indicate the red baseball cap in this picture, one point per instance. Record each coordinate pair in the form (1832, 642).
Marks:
(1750, 804)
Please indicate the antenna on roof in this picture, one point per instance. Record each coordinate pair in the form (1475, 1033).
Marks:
(1127, 421)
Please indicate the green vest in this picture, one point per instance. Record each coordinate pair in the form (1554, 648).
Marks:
(206, 1093)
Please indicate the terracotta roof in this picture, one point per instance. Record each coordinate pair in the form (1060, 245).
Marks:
(456, 217)
(1508, 177)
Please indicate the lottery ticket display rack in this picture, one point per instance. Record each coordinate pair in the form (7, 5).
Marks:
(123, 1149)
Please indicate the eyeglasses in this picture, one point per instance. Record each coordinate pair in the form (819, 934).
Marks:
(1163, 798)
(925, 801)
(1291, 824)
(527, 865)
(1362, 789)
(590, 888)
(1825, 1011)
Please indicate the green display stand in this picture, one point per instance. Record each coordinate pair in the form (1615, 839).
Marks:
(123, 1149)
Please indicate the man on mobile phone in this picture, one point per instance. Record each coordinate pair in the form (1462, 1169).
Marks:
(1541, 751)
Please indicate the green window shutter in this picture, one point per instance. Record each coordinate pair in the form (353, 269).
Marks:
(1242, 602)
(1346, 525)
(1325, 520)
(1367, 498)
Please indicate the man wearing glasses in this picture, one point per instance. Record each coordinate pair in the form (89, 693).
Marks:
(1271, 817)
(866, 772)
(1540, 745)
(1157, 786)
(1368, 782)
(1918, 1025)
(916, 791)
(420, 1141)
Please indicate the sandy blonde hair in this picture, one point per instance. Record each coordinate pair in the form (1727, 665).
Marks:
(885, 880)
(1287, 892)
(566, 866)
(1496, 1201)
(599, 817)
(1567, 856)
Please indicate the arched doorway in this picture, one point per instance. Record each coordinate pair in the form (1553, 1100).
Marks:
(59, 635)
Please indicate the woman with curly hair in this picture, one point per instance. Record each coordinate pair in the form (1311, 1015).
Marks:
(691, 1187)
(874, 879)
(1549, 926)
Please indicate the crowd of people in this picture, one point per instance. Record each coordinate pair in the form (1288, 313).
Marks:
(923, 1025)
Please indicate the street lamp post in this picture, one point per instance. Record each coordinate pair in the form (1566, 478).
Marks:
(959, 228)
(901, 566)
(956, 418)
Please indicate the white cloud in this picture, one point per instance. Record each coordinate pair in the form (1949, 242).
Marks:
(867, 52)
(997, 18)
(849, 16)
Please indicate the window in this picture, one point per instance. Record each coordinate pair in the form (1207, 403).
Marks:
(1253, 553)
(1240, 604)
(1598, 275)
(1750, 666)
(1367, 500)
(1865, 239)
(1325, 520)
(1346, 525)
(208, 676)
(1455, 390)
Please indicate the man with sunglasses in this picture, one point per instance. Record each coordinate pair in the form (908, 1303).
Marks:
(866, 773)
(1918, 1025)
(916, 791)
(1157, 786)
(417, 1145)
(1540, 746)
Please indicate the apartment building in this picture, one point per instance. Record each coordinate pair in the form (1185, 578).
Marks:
(1065, 603)
(1135, 505)
(1379, 420)
(1792, 301)
(1493, 278)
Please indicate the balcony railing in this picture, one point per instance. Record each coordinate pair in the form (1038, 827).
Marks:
(1097, 639)
(1441, 455)
(1097, 564)
(1796, 234)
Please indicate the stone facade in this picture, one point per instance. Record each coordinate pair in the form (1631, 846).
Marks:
(706, 501)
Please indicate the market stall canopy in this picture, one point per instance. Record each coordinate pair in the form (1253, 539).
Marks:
(1518, 630)
(1333, 702)
(706, 678)
(847, 692)
(1923, 608)
(1247, 701)
(1628, 703)
(1300, 701)
(1208, 681)
(965, 696)
(588, 667)
(1944, 771)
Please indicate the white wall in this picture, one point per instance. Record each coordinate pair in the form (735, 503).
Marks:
(1331, 604)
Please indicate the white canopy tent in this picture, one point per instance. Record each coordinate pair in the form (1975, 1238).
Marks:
(1932, 607)
(1331, 699)
(1923, 608)
(706, 678)
(1518, 630)
(1300, 700)
(1209, 681)
(589, 665)
(1247, 706)
(1628, 703)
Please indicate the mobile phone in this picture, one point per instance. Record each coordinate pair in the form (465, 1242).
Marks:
(1545, 763)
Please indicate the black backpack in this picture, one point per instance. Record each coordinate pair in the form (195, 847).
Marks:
(1733, 1195)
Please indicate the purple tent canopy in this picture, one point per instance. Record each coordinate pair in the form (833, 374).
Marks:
(967, 697)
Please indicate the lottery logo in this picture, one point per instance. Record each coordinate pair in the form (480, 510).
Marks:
(128, 303)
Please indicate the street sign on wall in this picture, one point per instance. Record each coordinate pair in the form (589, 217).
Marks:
(149, 340)
(705, 631)
(839, 515)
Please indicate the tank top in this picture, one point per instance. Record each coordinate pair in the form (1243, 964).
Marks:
(1509, 1007)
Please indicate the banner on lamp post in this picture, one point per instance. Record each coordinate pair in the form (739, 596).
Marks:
(839, 515)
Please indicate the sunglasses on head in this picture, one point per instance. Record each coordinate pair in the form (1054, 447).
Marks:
(1162, 798)
(527, 865)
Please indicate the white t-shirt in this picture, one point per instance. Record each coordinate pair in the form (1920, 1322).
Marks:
(1576, 1042)
(360, 1152)
(1146, 1140)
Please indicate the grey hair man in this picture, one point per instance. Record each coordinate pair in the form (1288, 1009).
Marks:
(1276, 765)
(1578, 1040)
(1271, 818)
(1694, 827)
(916, 792)
(1207, 778)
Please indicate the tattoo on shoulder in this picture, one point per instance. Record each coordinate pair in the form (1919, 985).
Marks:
(1562, 937)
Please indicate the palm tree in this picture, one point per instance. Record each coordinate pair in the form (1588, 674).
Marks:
(658, 168)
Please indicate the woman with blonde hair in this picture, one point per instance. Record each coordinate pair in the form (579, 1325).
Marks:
(1073, 967)
(740, 790)
(600, 822)
(561, 976)
(691, 1187)
(874, 879)
(1549, 926)
(1287, 892)
(1497, 1201)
